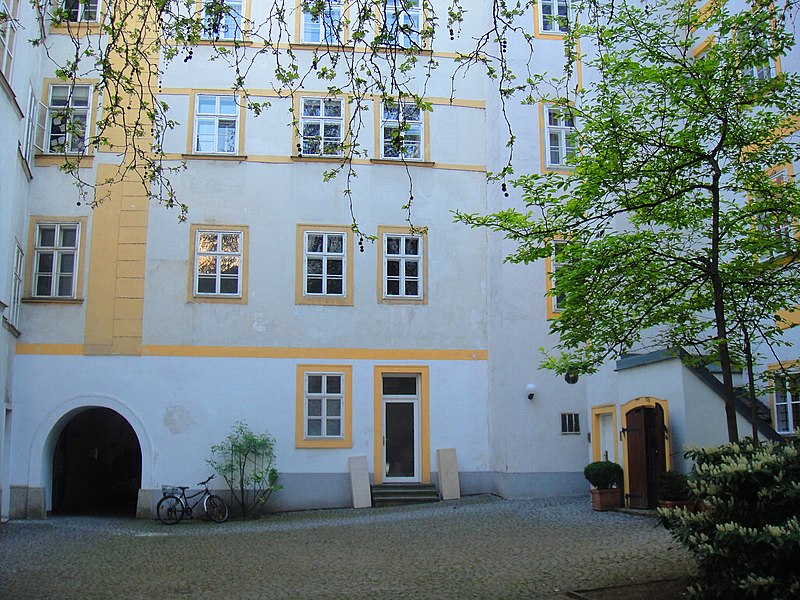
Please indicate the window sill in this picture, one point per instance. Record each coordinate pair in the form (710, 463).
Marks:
(321, 300)
(13, 330)
(218, 299)
(213, 156)
(315, 158)
(324, 443)
(402, 300)
(559, 169)
(6, 86)
(57, 160)
(77, 28)
(400, 161)
(230, 43)
(51, 300)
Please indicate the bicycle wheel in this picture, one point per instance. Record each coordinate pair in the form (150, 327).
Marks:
(215, 508)
(169, 510)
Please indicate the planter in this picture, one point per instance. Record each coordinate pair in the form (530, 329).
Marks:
(606, 499)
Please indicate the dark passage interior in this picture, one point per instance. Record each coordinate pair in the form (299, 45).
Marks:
(97, 465)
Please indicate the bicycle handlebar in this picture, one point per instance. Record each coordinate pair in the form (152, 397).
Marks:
(207, 480)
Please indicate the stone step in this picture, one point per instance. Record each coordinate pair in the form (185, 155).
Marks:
(393, 494)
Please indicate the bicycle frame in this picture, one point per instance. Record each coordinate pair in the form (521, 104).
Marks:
(175, 504)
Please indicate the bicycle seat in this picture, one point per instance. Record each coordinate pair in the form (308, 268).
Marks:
(183, 487)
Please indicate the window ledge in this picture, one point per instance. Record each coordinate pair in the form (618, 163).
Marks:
(6, 86)
(14, 331)
(229, 43)
(51, 300)
(399, 161)
(213, 156)
(315, 158)
(77, 28)
(49, 160)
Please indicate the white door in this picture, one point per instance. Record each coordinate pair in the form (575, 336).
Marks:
(401, 431)
(607, 437)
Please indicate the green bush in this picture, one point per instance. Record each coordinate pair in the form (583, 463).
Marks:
(603, 474)
(246, 462)
(746, 537)
(673, 485)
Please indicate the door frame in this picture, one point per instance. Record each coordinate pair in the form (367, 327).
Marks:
(598, 412)
(423, 457)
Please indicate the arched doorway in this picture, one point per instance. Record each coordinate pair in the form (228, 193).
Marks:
(97, 465)
(646, 450)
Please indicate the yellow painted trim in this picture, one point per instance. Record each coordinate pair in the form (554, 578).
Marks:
(299, 295)
(703, 46)
(424, 412)
(597, 412)
(384, 230)
(300, 441)
(240, 126)
(297, 115)
(80, 259)
(650, 402)
(94, 107)
(543, 144)
(190, 293)
(50, 349)
(537, 30)
(552, 313)
(58, 160)
(705, 11)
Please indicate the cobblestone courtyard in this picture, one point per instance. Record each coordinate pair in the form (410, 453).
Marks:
(479, 547)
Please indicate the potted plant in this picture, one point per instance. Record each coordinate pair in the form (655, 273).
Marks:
(673, 490)
(606, 480)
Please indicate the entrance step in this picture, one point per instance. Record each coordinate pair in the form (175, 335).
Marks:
(394, 494)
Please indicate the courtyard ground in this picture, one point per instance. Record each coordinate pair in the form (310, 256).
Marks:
(476, 547)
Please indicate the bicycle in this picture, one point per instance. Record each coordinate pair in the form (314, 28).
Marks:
(174, 504)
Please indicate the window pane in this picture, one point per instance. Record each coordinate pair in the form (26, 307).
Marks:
(229, 285)
(333, 407)
(393, 268)
(314, 407)
(64, 285)
(403, 386)
(207, 264)
(45, 262)
(315, 243)
(333, 427)
(80, 95)
(412, 246)
(333, 384)
(393, 245)
(314, 384)
(393, 288)
(333, 108)
(43, 284)
(67, 264)
(59, 95)
(412, 288)
(335, 243)
(314, 266)
(227, 105)
(47, 236)
(314, 285)
(314, 427)
(334, 267)
(69, 237)
(230, 242)
(311, 108)
(335, 286)
(412, 268)
(207, 104)
(207, 242)
(206, 284)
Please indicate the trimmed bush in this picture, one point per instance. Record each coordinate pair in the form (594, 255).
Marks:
(603, 474)
(746, 538)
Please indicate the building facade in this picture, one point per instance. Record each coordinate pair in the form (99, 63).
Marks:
(133, 341)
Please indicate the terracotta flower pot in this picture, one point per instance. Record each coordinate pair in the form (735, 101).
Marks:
(606, 499)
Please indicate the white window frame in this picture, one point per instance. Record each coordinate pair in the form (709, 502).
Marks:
(407, 119)
(59, 252)
(326, 258)
(787, 401)
(17, 283)
(327, 145)
(570, 423)
(72, 111)
(31, 120)
(557, 299)
(230, 23)
(402, 14)
(553, 16)
(87, 11)
(324, 397)
(8, 36)
(325, 28)
(220, 142)
(558, 132)
(218, 254)
(403, 259)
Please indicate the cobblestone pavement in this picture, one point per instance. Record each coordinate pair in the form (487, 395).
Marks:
(477, 547)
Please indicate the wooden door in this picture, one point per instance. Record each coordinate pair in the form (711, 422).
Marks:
(646, 451)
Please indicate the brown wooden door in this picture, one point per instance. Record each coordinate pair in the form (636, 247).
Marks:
(646, 447)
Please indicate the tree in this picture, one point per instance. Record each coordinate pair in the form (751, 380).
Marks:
(246, 461)
(669, 226)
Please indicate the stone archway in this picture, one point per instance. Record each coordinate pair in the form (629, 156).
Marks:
(97, 464)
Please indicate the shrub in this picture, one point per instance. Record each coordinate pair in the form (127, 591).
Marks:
(673, 485)
(246, 462)
(603, 474)
(747, 537)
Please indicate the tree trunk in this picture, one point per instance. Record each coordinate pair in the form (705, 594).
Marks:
(751, 387)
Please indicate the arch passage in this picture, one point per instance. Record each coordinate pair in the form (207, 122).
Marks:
(97, 465)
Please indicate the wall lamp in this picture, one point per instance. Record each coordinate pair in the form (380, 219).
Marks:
(531, 389)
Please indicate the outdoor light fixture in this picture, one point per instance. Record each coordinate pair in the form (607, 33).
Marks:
(531, 389)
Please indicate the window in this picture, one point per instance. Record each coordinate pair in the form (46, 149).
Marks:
(403, 19)
(401, 131)
(570, 423)
(776, 224)
(223, 20)
(787, 402)
(55, 260)
(218, 262)
(323, 406)
(402, 266)
(216, 124)
(16, 287)
(324, 263)
(554, 15)
(81, 10)
(67, 118)
(555, 263)
(559, 131)
(321, 126)
(8, 33)
(322, 22)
